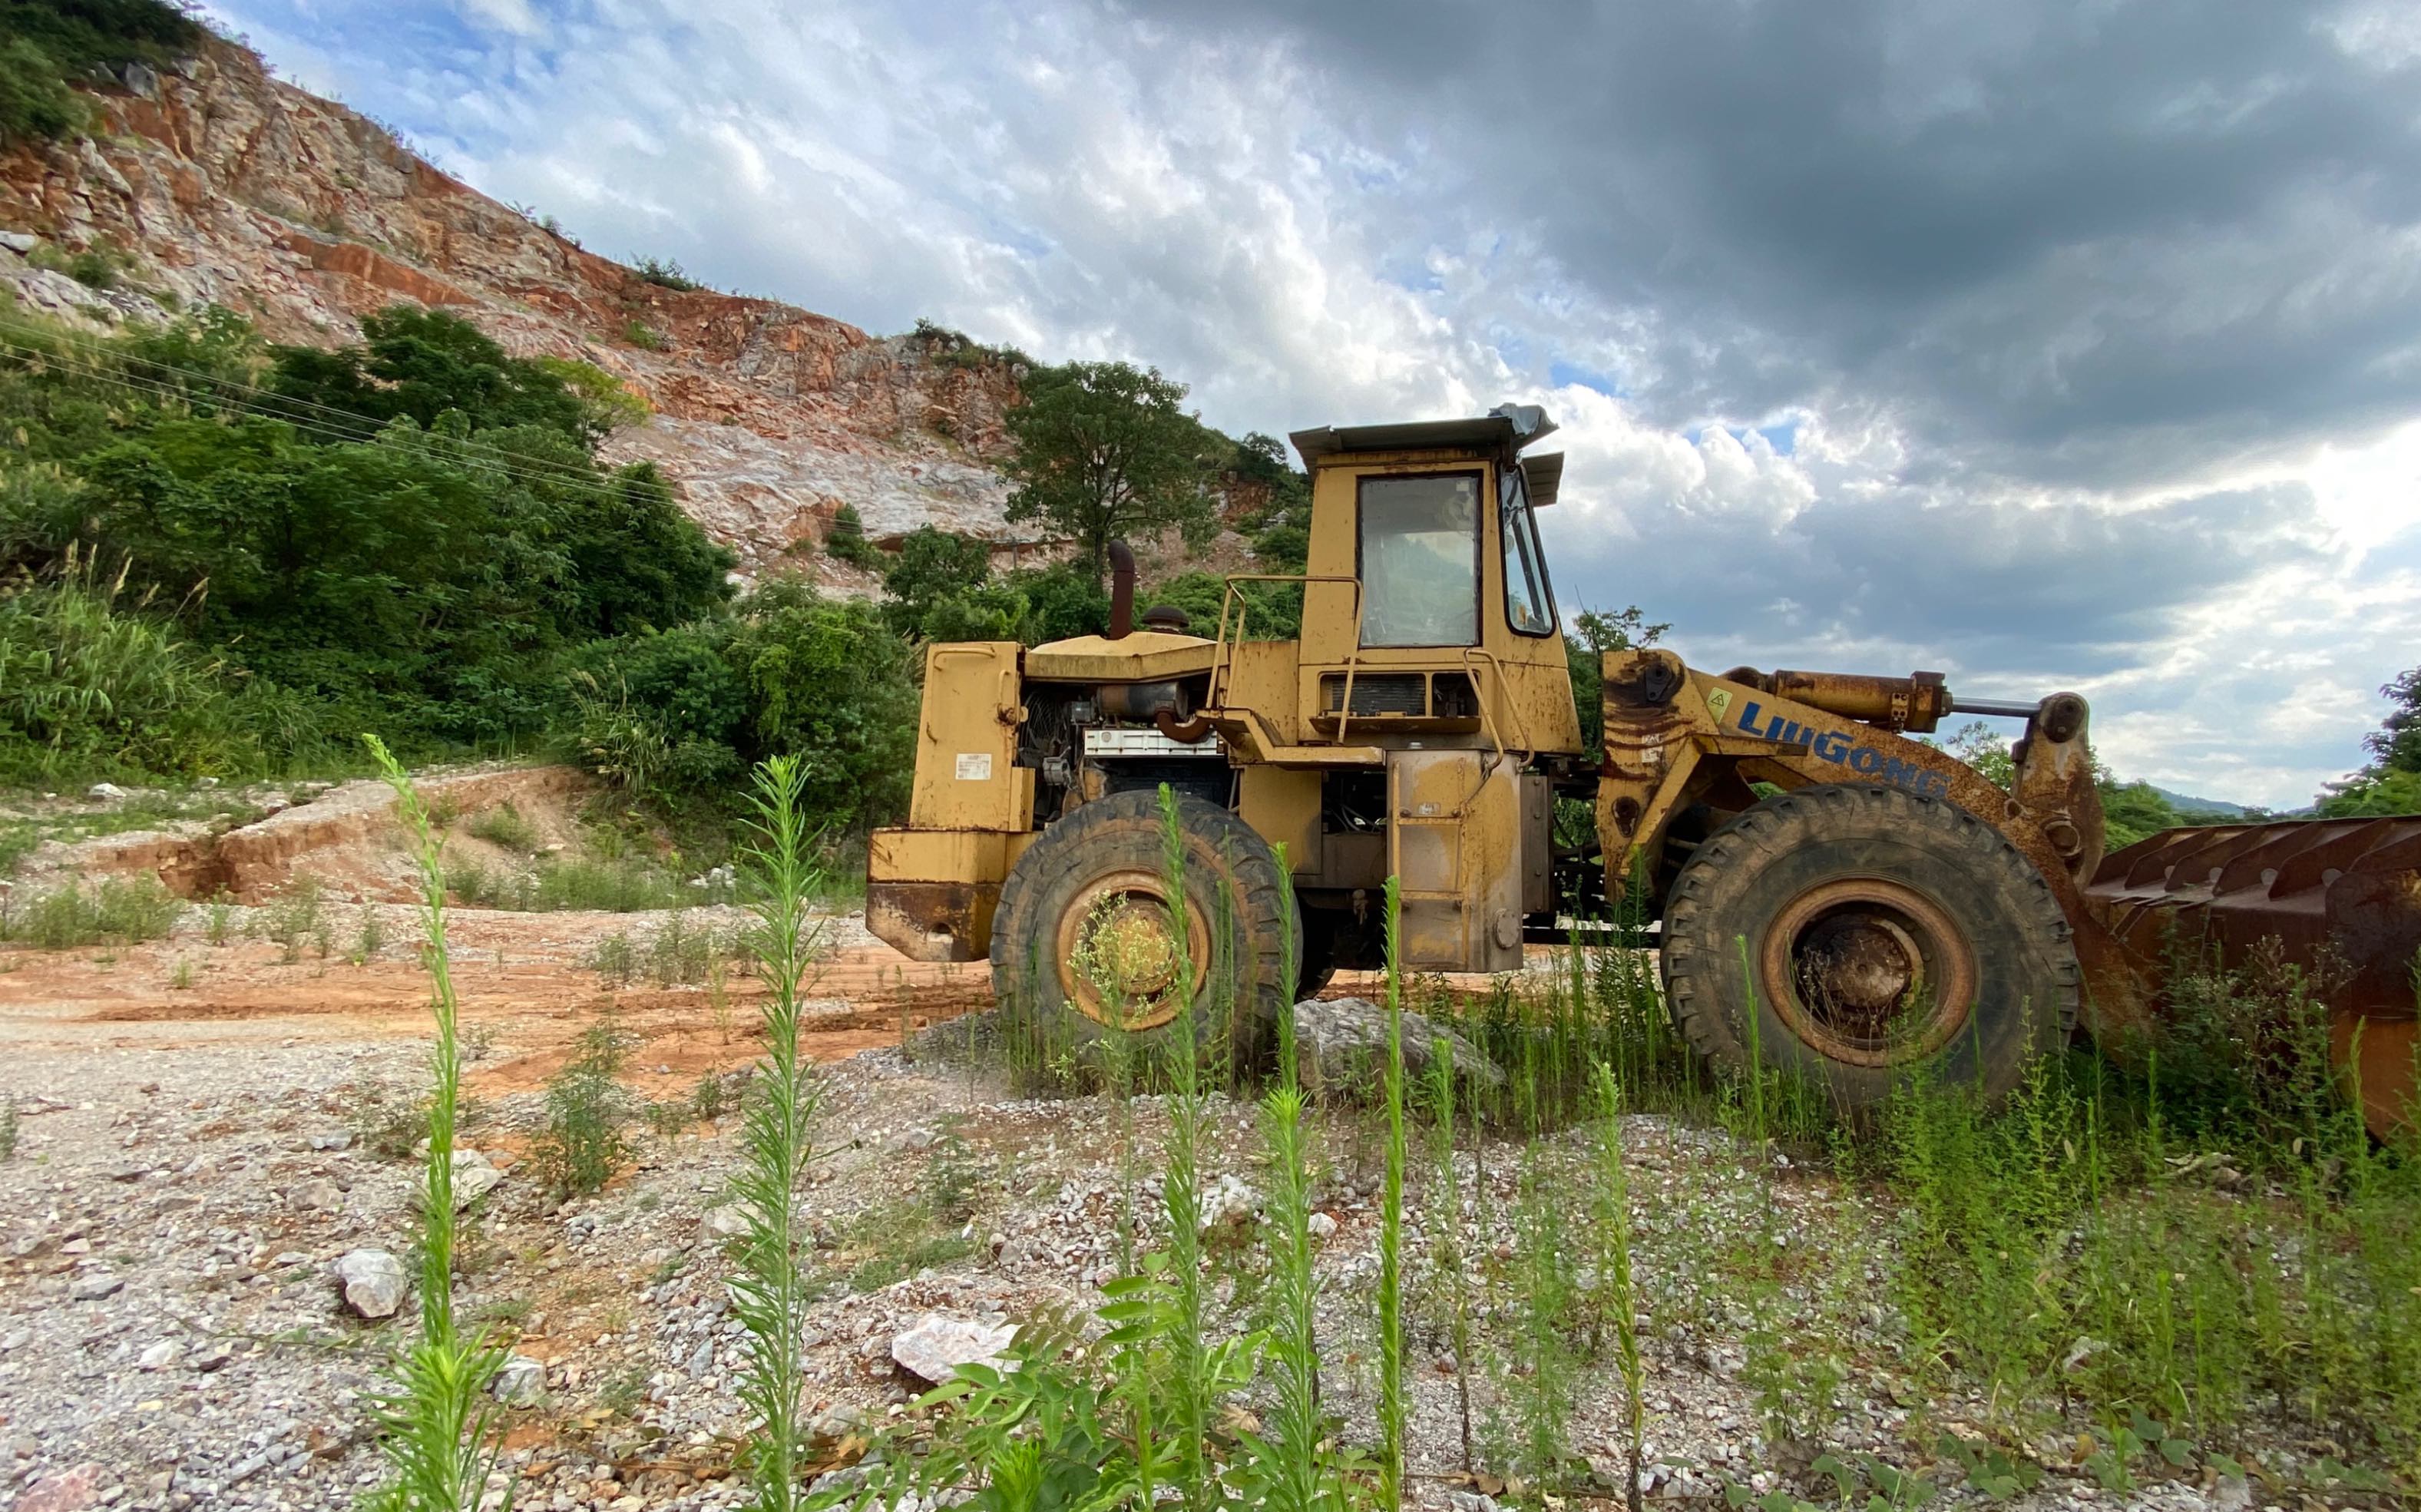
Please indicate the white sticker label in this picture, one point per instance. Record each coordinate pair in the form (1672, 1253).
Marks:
(975, 766)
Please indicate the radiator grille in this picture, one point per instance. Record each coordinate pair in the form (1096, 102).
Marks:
(1378, 692)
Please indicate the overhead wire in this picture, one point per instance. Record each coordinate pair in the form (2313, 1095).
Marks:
(460, 450)
(339, 427)
(92, 345)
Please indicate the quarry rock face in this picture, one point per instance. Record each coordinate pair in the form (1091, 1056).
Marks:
(214, 183)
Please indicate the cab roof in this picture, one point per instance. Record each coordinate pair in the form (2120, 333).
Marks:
(1508, 427)
(1504, 429)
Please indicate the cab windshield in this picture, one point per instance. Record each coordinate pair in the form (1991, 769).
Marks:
(1419, 554)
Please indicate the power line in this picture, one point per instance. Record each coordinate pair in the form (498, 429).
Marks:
(522, 468)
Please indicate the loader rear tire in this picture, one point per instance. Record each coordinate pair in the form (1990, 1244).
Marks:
(1083, 948)
(1874, 934)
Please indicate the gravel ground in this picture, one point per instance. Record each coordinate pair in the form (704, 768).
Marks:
(172, 1334)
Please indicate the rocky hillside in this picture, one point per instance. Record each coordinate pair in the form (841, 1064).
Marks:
(213, 181)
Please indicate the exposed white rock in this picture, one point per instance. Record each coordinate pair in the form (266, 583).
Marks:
(374, 1282)
(934, 1347)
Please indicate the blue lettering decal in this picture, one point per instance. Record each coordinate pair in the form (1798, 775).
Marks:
(1748, 715)
(1865, 760)
(1833, 746)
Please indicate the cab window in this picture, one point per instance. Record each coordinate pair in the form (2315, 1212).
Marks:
(1419, 555)
(1529, 607)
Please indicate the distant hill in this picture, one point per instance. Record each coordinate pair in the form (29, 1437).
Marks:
(2188, 803)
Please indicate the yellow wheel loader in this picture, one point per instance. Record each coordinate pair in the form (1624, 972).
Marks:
(1876, 903)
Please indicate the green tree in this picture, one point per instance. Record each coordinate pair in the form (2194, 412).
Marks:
(829, 683)
(932, 565)
(2391, 783)
(1587, 641)
(1103, 451)
(424, 362)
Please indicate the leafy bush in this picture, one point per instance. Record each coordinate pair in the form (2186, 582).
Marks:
(1272, 610)
(114, 910)
(666, 274)
(45, 44)
(94, 267)
(829, 683)
(617, 884)
(582, 1146)
(504, 825)
(846, 542)
(639, 333)
(406, 533)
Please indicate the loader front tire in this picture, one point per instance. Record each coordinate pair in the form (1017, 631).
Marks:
(1083, 947)
(1873, 934)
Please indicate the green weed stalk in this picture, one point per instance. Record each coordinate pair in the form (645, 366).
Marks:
(1447, 1226)
(1391, 1227)
(1613, 1225)
(1289, 1456)
(768, 1293)
(1182, 1174)
(435, 1417)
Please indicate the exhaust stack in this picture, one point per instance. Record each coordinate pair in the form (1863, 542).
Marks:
(1122, 574)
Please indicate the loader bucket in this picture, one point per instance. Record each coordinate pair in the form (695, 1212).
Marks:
(2342, 899)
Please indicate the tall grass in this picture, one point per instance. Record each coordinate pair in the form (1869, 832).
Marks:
(1445, 1226)
(112, 911)
(93, 684)
(2183, 1262)
(436, 1415)
(770, 1295)
(1182, 1175)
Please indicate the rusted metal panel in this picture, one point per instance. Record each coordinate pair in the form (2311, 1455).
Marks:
(1145, 656)
(1538, 845)
(1283, 807)
(933, 921)
(937, 855)
(2342, 899)
(1454, 834)
(966, 741)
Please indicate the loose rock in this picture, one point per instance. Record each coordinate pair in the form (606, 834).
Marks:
(520, 1380)
(373, 1280)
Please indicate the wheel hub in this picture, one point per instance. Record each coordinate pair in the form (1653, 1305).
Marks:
(1869, 970)
(1119, 959)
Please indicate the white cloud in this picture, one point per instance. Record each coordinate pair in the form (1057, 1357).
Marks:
(1307, 242)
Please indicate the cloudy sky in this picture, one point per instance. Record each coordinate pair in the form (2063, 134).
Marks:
(2050, 346)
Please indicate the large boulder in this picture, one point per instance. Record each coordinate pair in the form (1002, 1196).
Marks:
(1341, 1049)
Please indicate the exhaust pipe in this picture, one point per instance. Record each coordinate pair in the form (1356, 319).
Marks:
(1121, 591)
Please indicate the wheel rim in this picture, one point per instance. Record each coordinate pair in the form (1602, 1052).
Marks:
(1869, 970)
(1118, 961)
